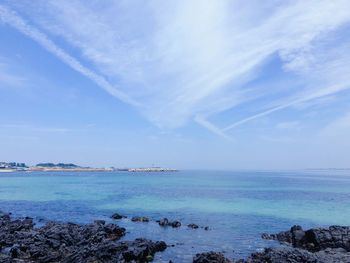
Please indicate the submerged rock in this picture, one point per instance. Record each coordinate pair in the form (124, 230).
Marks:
(210, 257)
(68, 242)
(193, 226)
(139, 219)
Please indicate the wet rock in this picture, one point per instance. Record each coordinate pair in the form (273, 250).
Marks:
(210, 257)
(193, 226)
(175, 224)
(140, 219)
(117, 216)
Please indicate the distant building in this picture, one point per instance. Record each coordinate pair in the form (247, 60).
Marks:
(13, 165)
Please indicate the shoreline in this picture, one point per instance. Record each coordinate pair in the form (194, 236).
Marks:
(82, 169)
(101, 242)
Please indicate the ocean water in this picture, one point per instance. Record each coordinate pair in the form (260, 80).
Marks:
(237, 206)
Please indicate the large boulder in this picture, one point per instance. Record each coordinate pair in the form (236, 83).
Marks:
(317, 239)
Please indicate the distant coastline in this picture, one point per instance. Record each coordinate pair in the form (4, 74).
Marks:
(7, 167)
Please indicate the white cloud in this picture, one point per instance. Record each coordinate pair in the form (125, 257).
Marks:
(176, 60)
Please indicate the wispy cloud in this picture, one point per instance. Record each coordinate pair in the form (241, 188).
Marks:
(10, 17)
(177, 60)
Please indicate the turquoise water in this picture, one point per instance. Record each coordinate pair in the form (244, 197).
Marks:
(237, 206)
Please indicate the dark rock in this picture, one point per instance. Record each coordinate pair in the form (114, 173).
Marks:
(117, 216)
(210, 257)
(193, 226)
(321, 245)
(332, 255)
(15, 251)
(140, 219)
(175, 224)
(334, 237)
(206, 228)
(282, 255)
(163, 222)
(315, 239)
(140, 249)
(287, 254)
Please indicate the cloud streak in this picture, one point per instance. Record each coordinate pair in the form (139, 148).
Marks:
(211, 127)
(304, 98)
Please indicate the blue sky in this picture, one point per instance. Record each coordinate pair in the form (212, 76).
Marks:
(187, 84)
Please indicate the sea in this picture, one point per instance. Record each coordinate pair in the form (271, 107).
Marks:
(236, 206)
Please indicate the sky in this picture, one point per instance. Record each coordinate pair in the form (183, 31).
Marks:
(199, 84)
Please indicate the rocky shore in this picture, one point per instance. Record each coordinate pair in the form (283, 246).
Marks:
(67, 242)
(99, 242)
